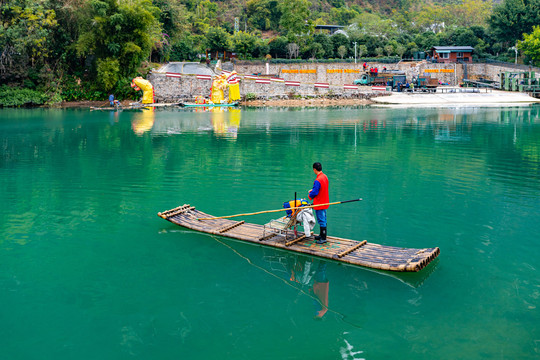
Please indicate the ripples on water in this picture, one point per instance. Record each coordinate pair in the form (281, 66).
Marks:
(82, 248)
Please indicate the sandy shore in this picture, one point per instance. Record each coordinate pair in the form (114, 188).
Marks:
(459, 97)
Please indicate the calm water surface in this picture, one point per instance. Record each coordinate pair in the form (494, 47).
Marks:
(88, 271)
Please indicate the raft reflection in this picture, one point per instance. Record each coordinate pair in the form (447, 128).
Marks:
(311, 276)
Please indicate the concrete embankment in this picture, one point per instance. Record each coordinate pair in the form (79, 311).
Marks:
(457, 96)
(334, 77)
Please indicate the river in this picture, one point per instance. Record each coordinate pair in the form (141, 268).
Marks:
(89, 271)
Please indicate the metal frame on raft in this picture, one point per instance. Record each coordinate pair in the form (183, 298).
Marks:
(361, 253)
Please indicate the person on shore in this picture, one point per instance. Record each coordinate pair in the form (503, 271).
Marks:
(112, 101)
(319, 195)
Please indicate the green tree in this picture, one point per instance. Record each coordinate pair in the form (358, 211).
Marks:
(316, 50)
(513, 18)
(361, 50)
(400, 50)
(121, 31)
(339, 40)
(108, 72)
(295, 19)
(26, 30)
(244, 43)
(263, 14)
(326, 43)
(342, 51)
(186, 47)
(342, 16)
(531, 45)
(426, 40)
(173, 18)
(390, 48)
(217, 39)
(471, 12)
(278, 47)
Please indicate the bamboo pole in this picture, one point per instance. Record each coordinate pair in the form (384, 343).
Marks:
(278, 210)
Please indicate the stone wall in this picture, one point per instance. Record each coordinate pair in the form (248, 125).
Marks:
(346, 73)
(336, 74)
(168, 89)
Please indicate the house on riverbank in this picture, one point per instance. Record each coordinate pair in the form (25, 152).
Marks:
(452, 54)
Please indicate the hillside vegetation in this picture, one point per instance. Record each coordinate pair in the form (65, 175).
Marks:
(85, 49)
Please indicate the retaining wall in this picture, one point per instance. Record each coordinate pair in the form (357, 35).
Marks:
(336, 74)
(186, 88)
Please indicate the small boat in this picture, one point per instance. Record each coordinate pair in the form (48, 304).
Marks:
(208, 105)
(361, 253)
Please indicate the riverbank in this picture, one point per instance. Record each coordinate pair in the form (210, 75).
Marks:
(443, 97)
(323, 102)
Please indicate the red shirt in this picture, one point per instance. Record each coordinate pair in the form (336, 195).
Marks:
(319, 193)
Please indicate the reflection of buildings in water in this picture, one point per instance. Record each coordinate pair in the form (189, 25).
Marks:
(143, 121)
(452, 127)
(225, 121)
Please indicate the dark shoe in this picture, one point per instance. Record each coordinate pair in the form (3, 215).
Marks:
(321, 239)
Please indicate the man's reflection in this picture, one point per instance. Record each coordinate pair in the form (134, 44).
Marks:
(311, 274)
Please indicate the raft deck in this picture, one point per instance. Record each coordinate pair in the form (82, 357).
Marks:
(353, 252)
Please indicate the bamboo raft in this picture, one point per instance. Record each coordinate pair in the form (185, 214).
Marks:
(353, 252)
(132, 106)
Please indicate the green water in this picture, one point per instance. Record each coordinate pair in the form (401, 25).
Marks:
(88, 271)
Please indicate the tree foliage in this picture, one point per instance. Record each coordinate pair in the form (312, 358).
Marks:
(513, 18)
(531, 45)
(295, 19)
(244, 43)
(82, 48)
(118, 36)
(217, 39)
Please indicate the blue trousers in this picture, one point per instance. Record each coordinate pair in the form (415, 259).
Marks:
(321, 217)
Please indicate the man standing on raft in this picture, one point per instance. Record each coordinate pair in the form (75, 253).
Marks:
(319, 195)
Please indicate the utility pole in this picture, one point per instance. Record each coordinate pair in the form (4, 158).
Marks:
(516, 50)
(354, 52)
